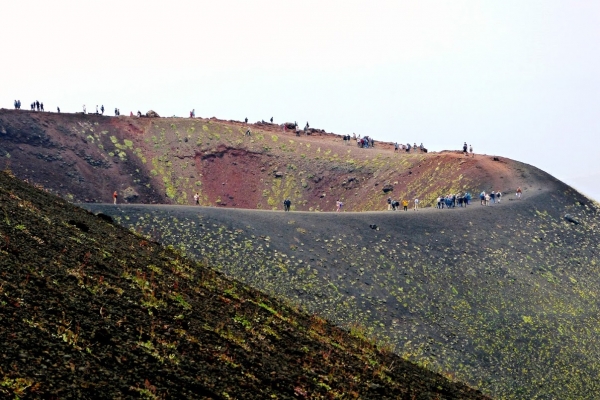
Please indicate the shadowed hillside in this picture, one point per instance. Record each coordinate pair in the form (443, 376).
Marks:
(89, 310)
(84, 158)
(503, 297)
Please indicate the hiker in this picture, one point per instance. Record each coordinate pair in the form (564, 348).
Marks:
(487, 199)
(482, 197)
(248, 133)
(493, 197)
(139, 114)
(467, 198)
(116, 112)
(102, 109)
(37, 105)
(465, 149)
(197, 199)
(416, 207)
(271, 119)
(519, 192)
(42, 107)
(84, 109)
(439, 202)
(396, 147)
(115, 195)
(405, 205)
(96, 109)
(58, 110)
(338, 205)
(471, 150)
(287, 204)
(395, 205)
(498, 196)
(246, 120)
(448, 201)
(16, 108)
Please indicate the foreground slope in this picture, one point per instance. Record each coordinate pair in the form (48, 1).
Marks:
(84, 158)
(89, 310)
(503, 297)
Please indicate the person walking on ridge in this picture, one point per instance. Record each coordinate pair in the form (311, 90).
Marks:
(405, 205)
(115, 195)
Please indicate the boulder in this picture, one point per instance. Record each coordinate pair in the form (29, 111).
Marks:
(152, 114)
(130, 194)
(388, 188)
(571, 219)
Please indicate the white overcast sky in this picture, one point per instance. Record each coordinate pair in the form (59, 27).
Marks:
(513, 78)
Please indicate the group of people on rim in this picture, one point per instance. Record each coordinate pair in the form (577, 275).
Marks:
(470, 150)
(453, 200)
(487, 198)
(364, 142)
(394, 205)
(407, 147)
(35, 106)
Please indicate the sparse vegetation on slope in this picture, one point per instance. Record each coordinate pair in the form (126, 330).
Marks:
(84, 158)
(502, 297)
(90, 310)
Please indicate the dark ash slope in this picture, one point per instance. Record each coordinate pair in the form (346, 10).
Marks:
(503, 297)
(89, 310)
